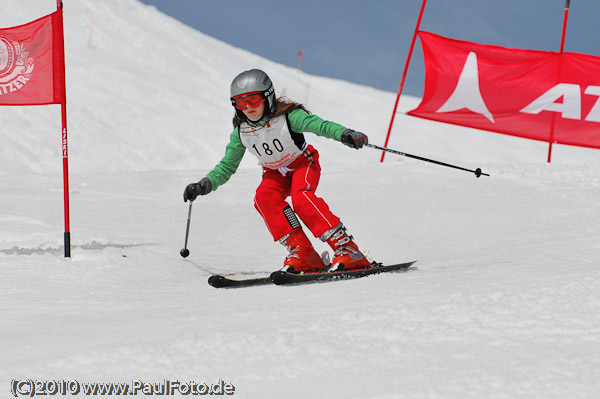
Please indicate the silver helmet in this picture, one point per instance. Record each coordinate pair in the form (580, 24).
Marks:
(254, 80)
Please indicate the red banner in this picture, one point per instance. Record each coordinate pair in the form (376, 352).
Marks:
(32, 63)
(538, 95)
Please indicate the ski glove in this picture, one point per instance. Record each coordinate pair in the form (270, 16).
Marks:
(354, 139)
(193, 190)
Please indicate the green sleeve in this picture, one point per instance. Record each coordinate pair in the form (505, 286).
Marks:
(301, 122)
(234, 153)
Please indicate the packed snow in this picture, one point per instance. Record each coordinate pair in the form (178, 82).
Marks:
(503, 301)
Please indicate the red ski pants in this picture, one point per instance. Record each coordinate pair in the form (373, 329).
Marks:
(300, 185)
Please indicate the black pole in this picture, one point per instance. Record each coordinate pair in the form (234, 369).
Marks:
(185, 252)
(477, 171)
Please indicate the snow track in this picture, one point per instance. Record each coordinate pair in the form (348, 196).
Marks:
(503, 302)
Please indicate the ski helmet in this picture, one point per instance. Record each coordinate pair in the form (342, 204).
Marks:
(251, 81)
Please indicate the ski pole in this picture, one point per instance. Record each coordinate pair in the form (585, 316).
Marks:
(477, 171)
(185, 252)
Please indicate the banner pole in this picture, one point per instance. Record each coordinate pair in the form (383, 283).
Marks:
(410, 51)
(562, 51)
(65, 150)
(65, 142)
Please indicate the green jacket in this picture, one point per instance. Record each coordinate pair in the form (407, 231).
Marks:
(300, 122)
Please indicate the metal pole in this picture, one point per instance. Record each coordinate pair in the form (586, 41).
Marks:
(477, 171)
(186, 252)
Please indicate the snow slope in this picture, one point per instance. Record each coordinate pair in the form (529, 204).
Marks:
(503, 301)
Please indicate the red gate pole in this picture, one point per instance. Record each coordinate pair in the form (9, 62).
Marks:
(410, 51)
(562, 51)
(299, 67)
(65, 143)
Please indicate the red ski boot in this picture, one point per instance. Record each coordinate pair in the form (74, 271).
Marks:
(302, 257)
(347, 256)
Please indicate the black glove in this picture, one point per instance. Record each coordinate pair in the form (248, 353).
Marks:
(193, 190)
(354, 139)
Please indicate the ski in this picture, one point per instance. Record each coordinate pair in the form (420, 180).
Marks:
(285, 278)
(219, 281)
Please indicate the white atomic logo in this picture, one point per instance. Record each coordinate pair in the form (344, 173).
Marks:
(467, 93)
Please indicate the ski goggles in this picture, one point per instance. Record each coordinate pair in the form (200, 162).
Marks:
(253, 99)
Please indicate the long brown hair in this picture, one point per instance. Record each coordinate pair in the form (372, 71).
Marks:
(282, 106)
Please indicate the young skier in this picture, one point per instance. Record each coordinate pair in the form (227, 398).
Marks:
(272, 130)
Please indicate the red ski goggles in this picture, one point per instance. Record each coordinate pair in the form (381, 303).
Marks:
(253, 99)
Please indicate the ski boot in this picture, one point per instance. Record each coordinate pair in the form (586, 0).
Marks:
(303, 257)
(346, 256)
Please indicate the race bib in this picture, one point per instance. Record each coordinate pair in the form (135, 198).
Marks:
(272, 144)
